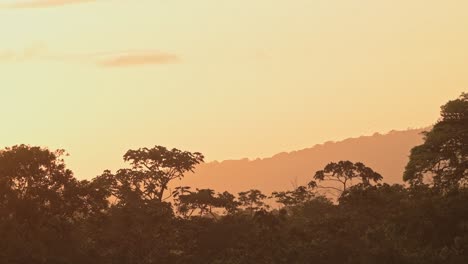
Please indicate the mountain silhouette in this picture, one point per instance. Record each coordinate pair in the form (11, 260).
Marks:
(385, 153)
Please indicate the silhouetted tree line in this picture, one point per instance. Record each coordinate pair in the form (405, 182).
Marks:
(344, 215)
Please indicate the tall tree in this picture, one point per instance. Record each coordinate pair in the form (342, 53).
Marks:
(35, 179)
(40, 205)
(442, 160)
(338, 177)
(152, 169)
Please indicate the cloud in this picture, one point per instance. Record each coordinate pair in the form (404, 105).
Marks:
(29, 53)
(102, 59)
(138, 58)
(42, 3)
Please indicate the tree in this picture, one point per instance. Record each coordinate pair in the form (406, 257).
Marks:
(203, 200)
(34, 179)
(299, 196)
(442, 160)
(40, 205)
(150, 173)
(228, 202)
(135, 233)
(344, 174)
(253, 200)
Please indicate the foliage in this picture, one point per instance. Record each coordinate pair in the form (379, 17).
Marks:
(204, 201)
(48, 216)
(253, 200)
(342, 175)
(443, 157)
(299, 196)
(150, 174)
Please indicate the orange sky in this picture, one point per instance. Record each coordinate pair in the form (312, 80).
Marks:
(228, 78)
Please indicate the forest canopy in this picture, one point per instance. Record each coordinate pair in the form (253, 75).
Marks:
(129, 216)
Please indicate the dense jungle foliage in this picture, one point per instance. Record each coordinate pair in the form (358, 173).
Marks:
(346, 214)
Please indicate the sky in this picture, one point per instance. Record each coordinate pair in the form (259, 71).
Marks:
(231, 79)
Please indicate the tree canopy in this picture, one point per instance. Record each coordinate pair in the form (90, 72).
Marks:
(341, 175)
(47, 216)
(442, 160)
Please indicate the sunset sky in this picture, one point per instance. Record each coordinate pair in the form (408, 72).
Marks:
(231, 79)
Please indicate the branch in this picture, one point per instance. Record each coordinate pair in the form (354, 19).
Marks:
(170, 195)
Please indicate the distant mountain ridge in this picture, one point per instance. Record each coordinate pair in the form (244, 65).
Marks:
(385, 153)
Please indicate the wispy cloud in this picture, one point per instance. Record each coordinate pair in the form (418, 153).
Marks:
(39, 52)
(138, 58)
(42, 3)
(29, 53)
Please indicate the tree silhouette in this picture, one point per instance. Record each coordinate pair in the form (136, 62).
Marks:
(253, 200)
(443, 157)
(40, 202)
(204, 201)
(299, 196)
(151, 171)
(48, 216)
(36, 180)
(342, 175)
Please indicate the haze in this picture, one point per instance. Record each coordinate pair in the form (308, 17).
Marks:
(230, 79)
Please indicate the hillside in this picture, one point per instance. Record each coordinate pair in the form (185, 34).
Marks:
(385, 153)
